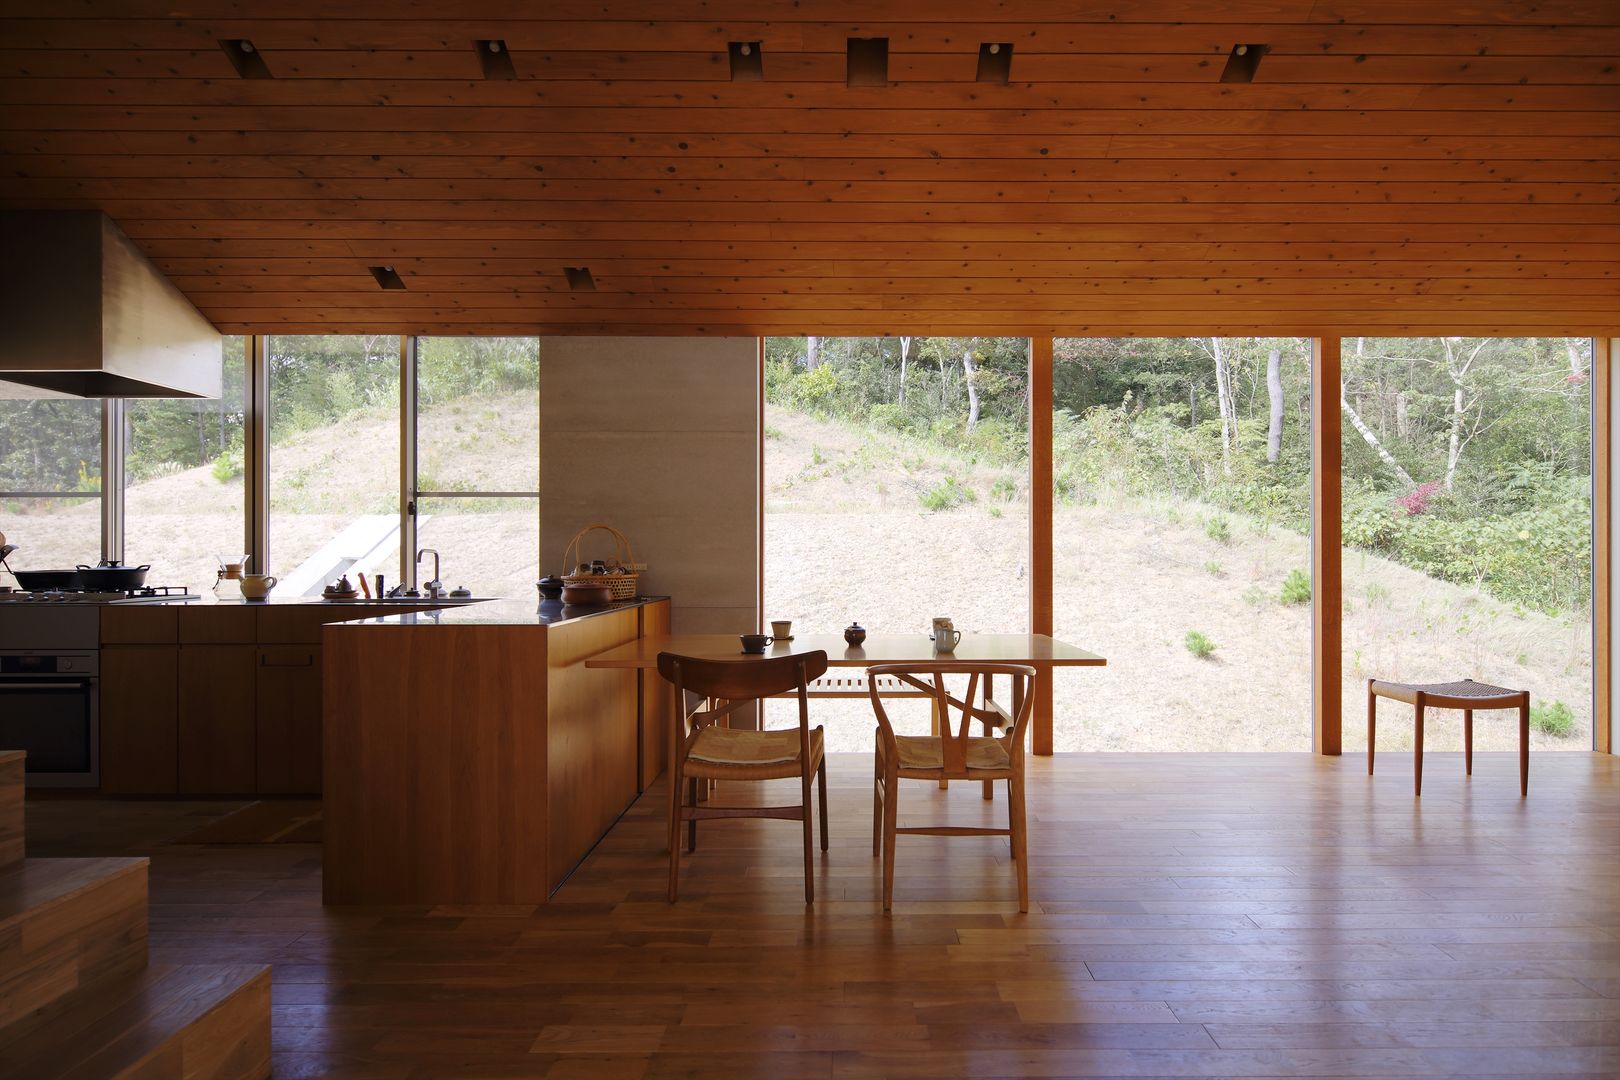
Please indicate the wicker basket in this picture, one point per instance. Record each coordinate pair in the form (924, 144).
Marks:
(623, 575)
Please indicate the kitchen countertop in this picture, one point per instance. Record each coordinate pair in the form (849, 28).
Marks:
(502, 613)
(208, 600)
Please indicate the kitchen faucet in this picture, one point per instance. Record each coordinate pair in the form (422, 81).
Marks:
(434, 589)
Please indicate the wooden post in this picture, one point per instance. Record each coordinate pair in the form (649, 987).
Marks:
(1602, 417)
(1327, 659)
(1040, 525)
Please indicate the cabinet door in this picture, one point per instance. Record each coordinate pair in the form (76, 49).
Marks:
(216, 719)
(139, 719)
(289, 720)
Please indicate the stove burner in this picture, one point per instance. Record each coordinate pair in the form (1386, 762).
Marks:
(82, 596)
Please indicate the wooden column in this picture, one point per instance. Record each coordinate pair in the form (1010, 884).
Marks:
(1602, 417)
(1327, 638)
(1040, 523)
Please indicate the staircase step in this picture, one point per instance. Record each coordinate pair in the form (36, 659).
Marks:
(66, 926)
(198, 1022)
(11, 807)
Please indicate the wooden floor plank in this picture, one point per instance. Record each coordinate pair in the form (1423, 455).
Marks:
(1192, 916)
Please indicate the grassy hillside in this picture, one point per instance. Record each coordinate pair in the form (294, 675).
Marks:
(849, 534)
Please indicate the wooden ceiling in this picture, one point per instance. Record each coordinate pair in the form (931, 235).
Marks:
(1396, 166)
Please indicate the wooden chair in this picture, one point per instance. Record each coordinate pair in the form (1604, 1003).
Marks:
(702, 749)
(952, 755)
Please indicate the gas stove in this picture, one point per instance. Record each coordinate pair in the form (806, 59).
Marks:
(145, 595)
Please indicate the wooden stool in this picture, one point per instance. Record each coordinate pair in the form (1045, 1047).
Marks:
(1466, 695)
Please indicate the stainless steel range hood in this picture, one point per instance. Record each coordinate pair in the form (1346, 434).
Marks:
(83, 312)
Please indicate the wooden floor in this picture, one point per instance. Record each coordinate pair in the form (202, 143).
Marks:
(1208, 915)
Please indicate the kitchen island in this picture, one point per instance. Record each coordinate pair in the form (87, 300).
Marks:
(470, 757)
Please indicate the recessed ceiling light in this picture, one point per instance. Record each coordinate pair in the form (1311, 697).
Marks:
(495, 58)
(245, 58)
(866, 62)
(579, 278)
(1243, 62)
(995, 62)
(386, 277)
(747, 65)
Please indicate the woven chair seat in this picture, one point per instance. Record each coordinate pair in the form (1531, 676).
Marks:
(1466, 688)
(735, 748)
(928, 752)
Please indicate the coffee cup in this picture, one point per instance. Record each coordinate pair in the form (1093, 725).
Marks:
(781, 629)
(257, 586)
(946, 639)
(755, 643)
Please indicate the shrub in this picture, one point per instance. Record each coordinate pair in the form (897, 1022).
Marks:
(1556, 719)
(947, 496)
(1218, 529)
(1213, 568)
(1416, 501)
(1296, 587)
(229, 464)
(1004, 489)
(1199, 645)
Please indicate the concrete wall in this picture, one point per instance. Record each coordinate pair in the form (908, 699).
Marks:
(659, 438)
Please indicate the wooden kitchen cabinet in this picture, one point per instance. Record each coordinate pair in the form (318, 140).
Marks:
(288, 708)
(140, 717)
(217, 692)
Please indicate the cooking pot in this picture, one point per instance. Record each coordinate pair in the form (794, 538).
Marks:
(41, 580)
(110, 575)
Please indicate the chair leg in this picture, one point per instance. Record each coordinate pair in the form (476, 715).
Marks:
(936, 729)
(1012, 843)
(807, 815)
(674, 829)
(1372, 725)
(891, 783)
(877, 801)
(691, 825)
(821, 790)
(1468, 742)
(989, 785)
(1417, 753)
(1524, 747)
(1020, 837)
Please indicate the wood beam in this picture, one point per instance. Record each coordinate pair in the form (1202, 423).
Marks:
(1602, 478)
(1040, 521)
(1327, 608)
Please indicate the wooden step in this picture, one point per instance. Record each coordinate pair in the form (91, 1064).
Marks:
(66, 926)
(11, 807)
(198, 1022)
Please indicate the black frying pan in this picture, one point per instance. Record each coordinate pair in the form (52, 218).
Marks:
(40, 580)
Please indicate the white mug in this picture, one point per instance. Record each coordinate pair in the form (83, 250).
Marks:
(782, 629)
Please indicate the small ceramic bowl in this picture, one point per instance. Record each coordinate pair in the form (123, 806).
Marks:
(587, 594)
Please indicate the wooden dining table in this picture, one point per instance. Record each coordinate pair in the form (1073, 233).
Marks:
(1039, 651)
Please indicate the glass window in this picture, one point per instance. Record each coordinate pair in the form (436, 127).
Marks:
(478, 462)
(183, 501)
(334, 458)
(50, 479)
(1468, 532)
(1181, 542)
(896, 490)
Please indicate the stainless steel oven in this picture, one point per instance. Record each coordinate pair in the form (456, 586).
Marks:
(50, 706)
